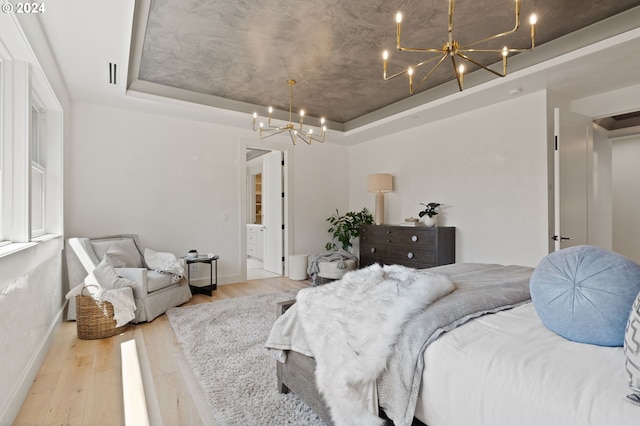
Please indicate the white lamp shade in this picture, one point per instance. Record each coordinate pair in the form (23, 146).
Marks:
(381, 182)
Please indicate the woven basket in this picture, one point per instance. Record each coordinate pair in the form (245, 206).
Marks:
(94, 320)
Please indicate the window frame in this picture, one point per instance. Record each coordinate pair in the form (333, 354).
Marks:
(37, 144)
(23, 85)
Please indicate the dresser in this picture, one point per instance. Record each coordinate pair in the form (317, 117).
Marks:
(416, 247)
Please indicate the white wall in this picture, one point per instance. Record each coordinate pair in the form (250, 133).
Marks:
(626, 202)
(31, 294)
(600, 201)
(489, 168)
(181, 184)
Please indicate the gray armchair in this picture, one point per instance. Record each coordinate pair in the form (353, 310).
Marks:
(154, 292)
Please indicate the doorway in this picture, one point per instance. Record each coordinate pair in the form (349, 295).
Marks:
(265, 218)
(594, 176)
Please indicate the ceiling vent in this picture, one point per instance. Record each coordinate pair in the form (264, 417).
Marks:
(113, 73)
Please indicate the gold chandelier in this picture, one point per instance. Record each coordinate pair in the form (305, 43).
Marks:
(452, 49)
(271, 130)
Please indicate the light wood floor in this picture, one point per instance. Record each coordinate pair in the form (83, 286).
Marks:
(80, 380)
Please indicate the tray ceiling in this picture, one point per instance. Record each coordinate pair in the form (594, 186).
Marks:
(245, 51)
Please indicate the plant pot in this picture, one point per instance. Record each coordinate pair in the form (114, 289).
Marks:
(431, 220)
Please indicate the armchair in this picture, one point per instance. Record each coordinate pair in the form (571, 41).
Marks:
(154, 292)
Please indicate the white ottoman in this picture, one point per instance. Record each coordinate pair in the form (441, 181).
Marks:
(330, 270)
(298, 267)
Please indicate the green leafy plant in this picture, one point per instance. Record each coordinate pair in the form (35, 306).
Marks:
(430, 210)
(345, 228)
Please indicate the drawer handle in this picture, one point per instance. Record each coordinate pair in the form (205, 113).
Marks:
(410, 255)
(388, 232)
(364, 238)
(388, 241)
(373, 249)
(414, 238)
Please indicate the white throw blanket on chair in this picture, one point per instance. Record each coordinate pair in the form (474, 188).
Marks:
(352, 325)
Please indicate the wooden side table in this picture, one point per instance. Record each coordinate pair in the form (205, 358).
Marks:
(207, 290)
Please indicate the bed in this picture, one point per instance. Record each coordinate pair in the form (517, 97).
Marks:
(502, 366)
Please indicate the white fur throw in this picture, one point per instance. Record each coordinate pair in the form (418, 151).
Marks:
(352, 325)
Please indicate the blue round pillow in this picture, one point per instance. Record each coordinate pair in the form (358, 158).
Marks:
(585, 294)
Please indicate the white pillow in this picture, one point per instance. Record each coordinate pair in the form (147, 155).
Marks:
(163, 262)
(632, 351)
(107, 278)
(126, 244)
(119, 258)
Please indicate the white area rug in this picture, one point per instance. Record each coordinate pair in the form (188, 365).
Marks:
(224, 343)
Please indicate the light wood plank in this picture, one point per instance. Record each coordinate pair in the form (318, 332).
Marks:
(80, 380)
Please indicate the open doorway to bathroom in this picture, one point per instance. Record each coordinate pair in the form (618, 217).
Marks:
(265, 218)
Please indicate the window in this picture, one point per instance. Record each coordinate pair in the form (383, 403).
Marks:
(31, 139)
(38, 171)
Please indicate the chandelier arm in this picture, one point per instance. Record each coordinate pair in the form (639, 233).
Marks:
(510, 50)
(465, 57)
(491, 50)
(426, 49)
(272, 128)
(426, 61)
(270, 133)
(435, 67)
(459, 76)
(313, 138)
(305, 140)
(384, 75)
(493, 37)
(475, 43)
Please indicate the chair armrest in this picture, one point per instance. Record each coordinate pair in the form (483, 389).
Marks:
(139, 278)
(281, 307)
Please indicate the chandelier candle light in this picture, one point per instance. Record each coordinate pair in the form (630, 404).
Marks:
(452, 49)
(271, 130)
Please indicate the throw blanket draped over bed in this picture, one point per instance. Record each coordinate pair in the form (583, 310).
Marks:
(351, 326)
(480, 289)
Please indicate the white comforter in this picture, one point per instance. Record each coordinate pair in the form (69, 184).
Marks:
(509, 369)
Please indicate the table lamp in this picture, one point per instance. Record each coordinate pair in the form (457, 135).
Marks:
(380, 183)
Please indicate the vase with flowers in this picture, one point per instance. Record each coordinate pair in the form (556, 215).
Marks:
(430, 213)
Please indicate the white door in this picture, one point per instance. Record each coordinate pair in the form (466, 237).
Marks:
(272, 205)
(572, 135)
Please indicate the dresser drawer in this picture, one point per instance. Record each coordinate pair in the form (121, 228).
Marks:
(372, 260)
(420, 237)
(404, 254)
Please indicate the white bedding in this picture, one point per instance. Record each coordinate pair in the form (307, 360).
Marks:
(509, 369)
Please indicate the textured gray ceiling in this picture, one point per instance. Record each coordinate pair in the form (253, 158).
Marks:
(246, 50)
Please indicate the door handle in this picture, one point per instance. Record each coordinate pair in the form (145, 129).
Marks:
(561, 238)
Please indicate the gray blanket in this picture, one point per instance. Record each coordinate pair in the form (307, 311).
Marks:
(480, 289)
(329, 256)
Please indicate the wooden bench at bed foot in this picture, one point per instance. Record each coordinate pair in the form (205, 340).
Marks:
(297, 376)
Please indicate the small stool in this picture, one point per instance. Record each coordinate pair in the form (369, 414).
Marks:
(298, 267)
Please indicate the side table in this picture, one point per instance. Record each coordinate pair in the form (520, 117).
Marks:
(207, 290)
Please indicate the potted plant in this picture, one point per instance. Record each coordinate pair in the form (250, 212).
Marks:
(431, 211)
(347, 227)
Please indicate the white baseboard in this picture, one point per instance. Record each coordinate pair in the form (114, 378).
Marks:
(10, 410)
(229, 279)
